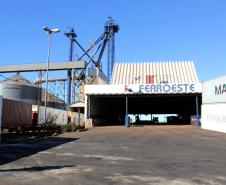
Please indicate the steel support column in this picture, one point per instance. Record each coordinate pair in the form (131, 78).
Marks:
(79, 112)
(126, 115)
(88, 106)
(197, 110)
(71, 35)
(47, 76)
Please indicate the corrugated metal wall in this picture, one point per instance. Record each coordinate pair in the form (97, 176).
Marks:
(16, 114)
(162, 72)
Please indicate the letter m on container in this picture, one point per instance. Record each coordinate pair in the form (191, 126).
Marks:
(150, 79)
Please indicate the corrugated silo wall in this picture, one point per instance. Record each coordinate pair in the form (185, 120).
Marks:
(28, 94)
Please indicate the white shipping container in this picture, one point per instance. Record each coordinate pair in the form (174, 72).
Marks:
(214, 117)
(214, 91)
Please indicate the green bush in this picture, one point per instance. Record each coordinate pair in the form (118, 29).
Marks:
(50, 122)
(50, 125)
(70, 127)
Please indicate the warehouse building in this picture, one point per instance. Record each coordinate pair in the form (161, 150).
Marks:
(214, 104)
(145, 88)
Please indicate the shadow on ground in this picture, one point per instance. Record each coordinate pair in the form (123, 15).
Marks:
(13, 151)
(36, 168)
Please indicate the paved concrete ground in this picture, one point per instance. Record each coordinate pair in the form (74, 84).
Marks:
(116, 155)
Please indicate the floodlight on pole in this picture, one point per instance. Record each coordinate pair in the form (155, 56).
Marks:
(49, 32)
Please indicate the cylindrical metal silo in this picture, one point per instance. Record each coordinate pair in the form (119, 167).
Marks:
(20, 89)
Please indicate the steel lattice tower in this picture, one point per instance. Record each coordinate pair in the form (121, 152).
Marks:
(70, 33)
(111, 27)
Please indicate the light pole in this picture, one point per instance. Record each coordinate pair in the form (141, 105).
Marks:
(49, 32)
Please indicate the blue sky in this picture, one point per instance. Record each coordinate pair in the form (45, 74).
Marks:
(150, 30)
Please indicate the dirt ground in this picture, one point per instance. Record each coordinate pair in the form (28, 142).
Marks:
(149, 155)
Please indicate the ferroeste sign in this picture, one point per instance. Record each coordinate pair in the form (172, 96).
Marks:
(163, 88)
(144, 88)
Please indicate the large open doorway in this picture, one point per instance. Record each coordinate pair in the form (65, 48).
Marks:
(111, 109)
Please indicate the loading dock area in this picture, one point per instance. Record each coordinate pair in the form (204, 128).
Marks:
(111, 110)
(145, 88)
(105, 107)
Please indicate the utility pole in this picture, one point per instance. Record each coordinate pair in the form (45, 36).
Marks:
(49, 32)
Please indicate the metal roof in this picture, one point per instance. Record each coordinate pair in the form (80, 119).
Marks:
(160, 72)
(77, 104)
(17, 79)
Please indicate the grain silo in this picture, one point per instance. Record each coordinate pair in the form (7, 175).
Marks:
(20, 89)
